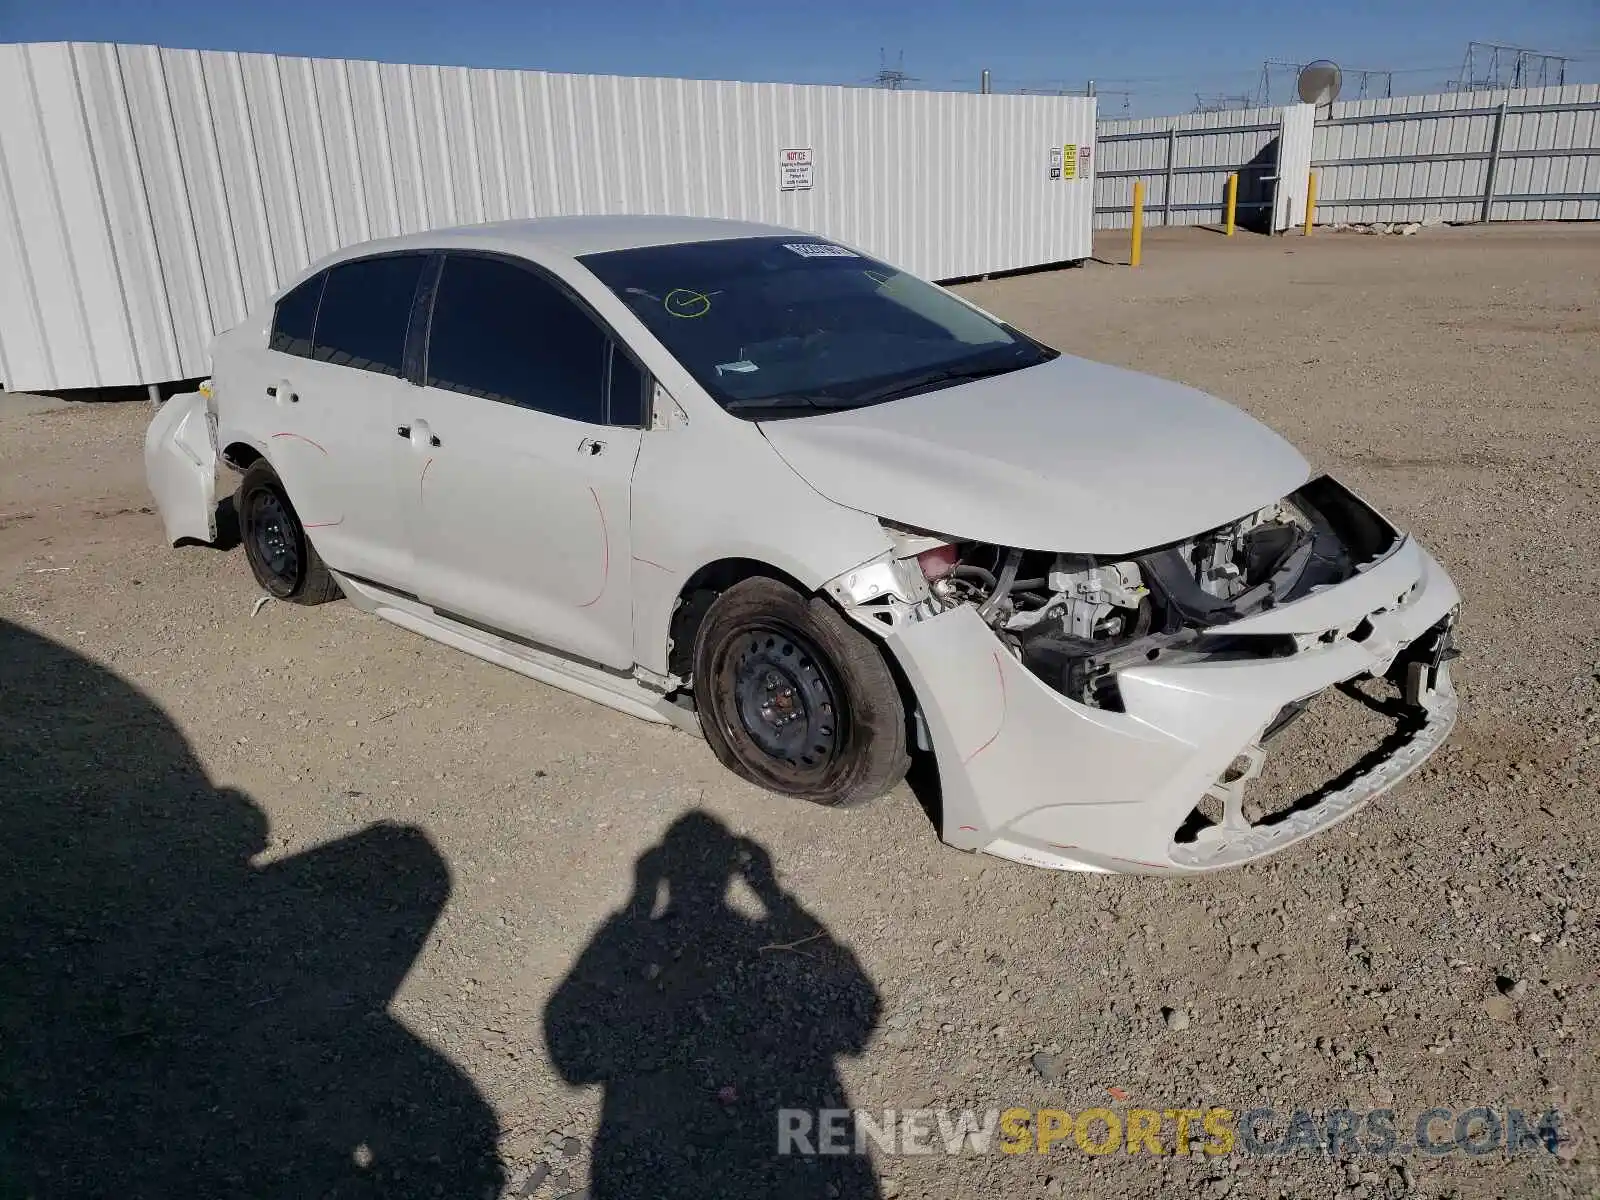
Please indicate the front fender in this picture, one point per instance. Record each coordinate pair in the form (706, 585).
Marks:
(180, 466)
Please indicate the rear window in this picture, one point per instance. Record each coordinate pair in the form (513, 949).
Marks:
(365, 309)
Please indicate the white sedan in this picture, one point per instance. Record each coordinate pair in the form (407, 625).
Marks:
(755, 482)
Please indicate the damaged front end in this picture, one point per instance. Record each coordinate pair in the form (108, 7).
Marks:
(1125, 705)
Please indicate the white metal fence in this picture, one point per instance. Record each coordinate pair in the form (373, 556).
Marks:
(1185, 162)
(154, 195)
(1527, 155)
(1531, 154)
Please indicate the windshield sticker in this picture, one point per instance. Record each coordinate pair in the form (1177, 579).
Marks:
(743, 367)
(819, 250)
(681, 302)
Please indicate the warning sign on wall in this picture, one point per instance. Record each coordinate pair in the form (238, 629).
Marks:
(794, 170)
(1083, 159)
(1069, 162)
(1055, 162)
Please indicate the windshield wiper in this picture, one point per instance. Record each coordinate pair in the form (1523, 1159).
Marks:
(931, 380)
(783, 400)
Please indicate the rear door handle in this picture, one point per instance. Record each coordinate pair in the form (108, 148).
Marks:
(277, 390)
(405, 432)
(591, 446)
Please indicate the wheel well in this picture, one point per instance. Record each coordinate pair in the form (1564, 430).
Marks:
(700, 592)
(241, 456)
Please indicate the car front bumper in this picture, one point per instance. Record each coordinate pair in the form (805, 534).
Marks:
(1028, 775)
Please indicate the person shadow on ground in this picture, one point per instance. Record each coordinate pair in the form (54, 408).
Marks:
(176, 1020)
(703, 1021)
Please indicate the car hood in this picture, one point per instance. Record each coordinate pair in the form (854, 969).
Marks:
(1070, 455)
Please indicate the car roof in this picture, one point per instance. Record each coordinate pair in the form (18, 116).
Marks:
(569, 236)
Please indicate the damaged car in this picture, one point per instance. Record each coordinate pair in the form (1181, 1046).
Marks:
(756, 483)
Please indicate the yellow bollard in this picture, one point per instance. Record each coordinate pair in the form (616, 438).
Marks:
(1311, 200)
(1138, 223)
(1233, 199)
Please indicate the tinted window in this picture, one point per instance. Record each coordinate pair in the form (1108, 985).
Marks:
(505, 333)
(365, 309)
(627, 390)
(296, 317)
(784, 326)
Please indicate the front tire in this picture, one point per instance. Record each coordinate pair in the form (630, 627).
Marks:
(794, 699)
(281, 556)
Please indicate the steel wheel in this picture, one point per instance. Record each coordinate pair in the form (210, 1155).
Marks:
(787, 699)
(275, 537)
(794, 699)
(282, 558)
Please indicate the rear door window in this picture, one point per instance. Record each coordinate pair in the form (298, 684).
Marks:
(295, 318)
(504, 332)
(365, 309)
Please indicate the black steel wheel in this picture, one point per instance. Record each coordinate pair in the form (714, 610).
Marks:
(795, 699)
(281, 557)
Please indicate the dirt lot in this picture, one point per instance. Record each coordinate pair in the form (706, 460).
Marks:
(199, 996)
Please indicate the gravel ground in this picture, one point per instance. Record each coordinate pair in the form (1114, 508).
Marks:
(297, 903)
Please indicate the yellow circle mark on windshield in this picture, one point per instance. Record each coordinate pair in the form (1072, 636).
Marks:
(681, 302)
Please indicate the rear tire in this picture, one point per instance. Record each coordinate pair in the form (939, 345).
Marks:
(796, 700)
(281, 556)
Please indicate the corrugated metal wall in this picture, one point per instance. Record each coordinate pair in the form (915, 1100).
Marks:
(1203, 149)
(1403, 159)
(153, 194)
(1415, 157)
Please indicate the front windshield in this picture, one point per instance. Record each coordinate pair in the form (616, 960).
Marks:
(783, 326)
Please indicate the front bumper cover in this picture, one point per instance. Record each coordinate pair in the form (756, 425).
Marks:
(1028, 775)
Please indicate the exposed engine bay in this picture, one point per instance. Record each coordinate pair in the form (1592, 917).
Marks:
(1076, 620)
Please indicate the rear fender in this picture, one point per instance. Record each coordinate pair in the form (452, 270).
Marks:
(180, 464)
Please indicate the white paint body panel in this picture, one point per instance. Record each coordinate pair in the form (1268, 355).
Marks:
(508, 541)
(180, 463)
(1068, 455)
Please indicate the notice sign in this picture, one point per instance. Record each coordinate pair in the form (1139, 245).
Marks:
(794, 170)
(1055, 162)
(1069, 162)
(1083, 159)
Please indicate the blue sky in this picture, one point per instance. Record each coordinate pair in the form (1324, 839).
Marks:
(1161, 50)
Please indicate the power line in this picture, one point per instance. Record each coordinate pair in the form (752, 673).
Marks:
(1490, 66)
(893, 78)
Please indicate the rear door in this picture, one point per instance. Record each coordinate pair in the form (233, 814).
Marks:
(332, 380)
(523, 439)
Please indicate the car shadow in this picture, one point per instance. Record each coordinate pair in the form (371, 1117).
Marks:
(176, 1020)
(703, 1022)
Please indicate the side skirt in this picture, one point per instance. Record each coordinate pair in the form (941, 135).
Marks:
(621, 692)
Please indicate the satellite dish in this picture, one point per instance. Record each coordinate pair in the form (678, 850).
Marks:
(1319, 82)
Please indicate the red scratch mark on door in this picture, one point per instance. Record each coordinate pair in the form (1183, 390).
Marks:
(324, 524)
(423, 478)
(1000, 671)
(300, 437)
(605, 551)
(648, 563)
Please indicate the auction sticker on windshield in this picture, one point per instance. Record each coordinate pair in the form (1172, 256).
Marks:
(819, 250)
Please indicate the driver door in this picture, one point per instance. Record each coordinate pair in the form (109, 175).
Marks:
(519, 469)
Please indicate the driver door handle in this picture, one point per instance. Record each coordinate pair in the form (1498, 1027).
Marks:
(405, 432)
(591, 446)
